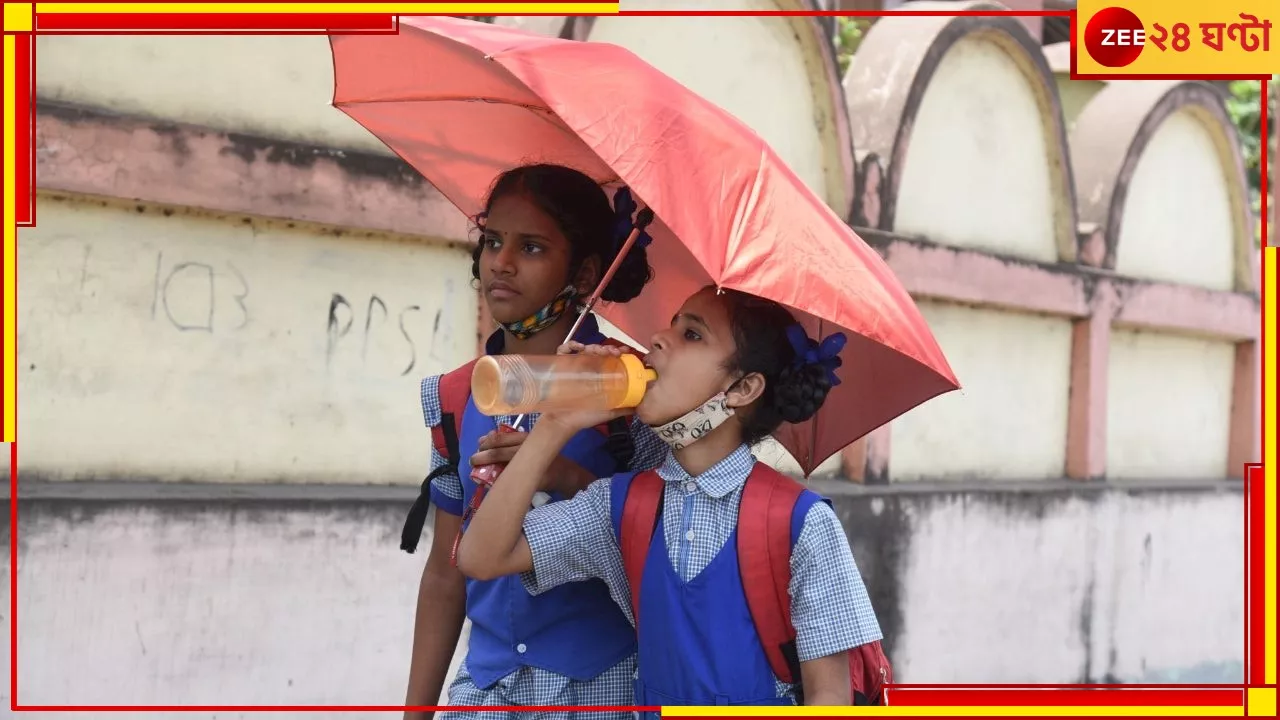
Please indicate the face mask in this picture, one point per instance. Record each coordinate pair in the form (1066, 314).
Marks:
(544, 318)
(695, 424)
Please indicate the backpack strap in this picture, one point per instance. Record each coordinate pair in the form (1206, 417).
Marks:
(635, 504)
(454, 391)
(620, 445)
(869, 673)
(767, 530)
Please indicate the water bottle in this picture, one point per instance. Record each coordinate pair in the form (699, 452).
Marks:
(520, 384)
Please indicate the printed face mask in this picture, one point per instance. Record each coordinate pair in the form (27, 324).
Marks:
(544, 318)
(695, 424)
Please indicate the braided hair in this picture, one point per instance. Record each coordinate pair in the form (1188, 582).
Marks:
(792, 393)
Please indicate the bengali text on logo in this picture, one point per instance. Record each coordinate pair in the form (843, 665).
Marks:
(1177, 38)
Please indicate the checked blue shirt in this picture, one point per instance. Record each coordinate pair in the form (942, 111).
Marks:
(574, 540)
(532, 685)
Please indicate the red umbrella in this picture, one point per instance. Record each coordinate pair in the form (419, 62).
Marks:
(463, 101)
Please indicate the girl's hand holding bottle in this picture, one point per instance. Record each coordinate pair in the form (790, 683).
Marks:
(564, 476)
(574, 421)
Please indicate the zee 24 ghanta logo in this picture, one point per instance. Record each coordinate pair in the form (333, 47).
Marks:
(1115, 37)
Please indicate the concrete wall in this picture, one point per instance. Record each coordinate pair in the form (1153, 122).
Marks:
(1125, 586)
(285, 597)
(1058, 520)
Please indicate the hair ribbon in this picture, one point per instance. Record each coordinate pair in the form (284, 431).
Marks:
(624, 207)
(825, 354)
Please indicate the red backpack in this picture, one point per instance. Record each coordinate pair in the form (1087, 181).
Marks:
(764, 559)
(455, 391)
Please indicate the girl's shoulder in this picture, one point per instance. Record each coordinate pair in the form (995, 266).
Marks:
(435, 391)
(429, 396)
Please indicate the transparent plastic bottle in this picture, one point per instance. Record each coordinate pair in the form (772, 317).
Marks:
(519, 384)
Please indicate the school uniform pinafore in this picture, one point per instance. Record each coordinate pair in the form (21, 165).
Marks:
(575, 631)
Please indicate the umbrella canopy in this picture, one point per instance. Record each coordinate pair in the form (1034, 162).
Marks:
(463, 102)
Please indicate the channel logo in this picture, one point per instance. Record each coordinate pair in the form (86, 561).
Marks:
(1114, 37)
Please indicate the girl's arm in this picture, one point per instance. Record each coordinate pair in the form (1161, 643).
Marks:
(830, 608)
(564, 476)
(494, 544)
(442, 592)
(826, 680)
(442, 599)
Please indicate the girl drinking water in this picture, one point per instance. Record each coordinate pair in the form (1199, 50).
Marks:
(547, 235)
(731, 369)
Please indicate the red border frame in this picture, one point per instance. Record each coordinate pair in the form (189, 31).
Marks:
(904, 694)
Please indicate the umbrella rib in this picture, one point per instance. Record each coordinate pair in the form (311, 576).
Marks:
(443, 98)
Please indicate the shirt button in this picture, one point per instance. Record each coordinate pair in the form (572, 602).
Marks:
(521, 648)
(690, 486)
(689, 536)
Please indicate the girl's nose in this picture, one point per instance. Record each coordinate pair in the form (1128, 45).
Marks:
(502, 262)
(658, 341)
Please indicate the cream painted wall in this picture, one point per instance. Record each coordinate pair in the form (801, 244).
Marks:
(753, 67)
(1010, 419)
(1177, 224)
(260, 385)
(1168, 406)
(1075, 94)
(976, 172)
(277, 86)
(281, 86)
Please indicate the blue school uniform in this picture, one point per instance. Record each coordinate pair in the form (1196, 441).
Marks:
(572, 646)
(697, 643)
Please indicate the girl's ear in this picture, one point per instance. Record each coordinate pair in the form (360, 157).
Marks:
(745, 391)
(588, 275)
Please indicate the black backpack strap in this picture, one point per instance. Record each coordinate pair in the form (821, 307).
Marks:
(417, 517)
(792, 656)
(620, 444)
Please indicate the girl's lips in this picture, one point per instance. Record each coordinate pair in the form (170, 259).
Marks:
(649, 365)
(502, 291)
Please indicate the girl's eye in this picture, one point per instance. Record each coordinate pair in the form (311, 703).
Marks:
(532, 248)
(692, 335)
(492, 242)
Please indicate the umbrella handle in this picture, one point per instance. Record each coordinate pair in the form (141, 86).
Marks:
(643, 219)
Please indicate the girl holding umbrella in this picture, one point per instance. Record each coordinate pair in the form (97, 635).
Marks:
(547, 234)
